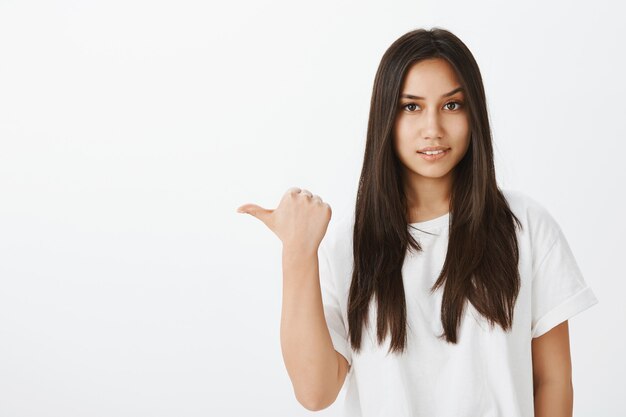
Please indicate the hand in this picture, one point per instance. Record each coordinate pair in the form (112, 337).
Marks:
(300, 221)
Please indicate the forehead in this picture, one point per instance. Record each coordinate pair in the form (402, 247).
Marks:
(430, 78)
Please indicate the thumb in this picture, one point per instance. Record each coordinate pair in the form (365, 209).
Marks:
(259, 212)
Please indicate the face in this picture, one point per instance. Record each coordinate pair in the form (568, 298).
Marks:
(432, 118)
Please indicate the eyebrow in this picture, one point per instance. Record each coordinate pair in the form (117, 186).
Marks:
(422, 98)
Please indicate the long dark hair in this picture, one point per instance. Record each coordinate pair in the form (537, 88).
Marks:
(481, 264)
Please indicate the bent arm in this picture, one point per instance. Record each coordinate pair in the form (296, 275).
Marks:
(312, 363)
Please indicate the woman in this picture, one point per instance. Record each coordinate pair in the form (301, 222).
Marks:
(442, 295)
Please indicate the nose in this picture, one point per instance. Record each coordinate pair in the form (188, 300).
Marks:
(432, 125)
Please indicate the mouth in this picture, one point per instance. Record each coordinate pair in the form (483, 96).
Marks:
(433, 156)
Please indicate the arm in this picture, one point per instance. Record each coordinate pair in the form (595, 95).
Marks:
(316, 370)
(552, 373)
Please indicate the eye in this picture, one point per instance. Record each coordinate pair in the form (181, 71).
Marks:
(458, 103)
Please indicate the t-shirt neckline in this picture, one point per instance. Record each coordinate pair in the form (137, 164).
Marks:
(432, 224)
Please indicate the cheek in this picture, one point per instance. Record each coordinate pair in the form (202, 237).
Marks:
(461, 135)
(401, 134)
(404, 132)
(458, 126)
(462, 146)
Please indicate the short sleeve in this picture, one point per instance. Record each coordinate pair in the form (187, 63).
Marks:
(559, 290)
(332, 307)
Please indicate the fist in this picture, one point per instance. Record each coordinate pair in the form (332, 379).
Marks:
(300, 221)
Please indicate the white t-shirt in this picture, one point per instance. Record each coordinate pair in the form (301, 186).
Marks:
(489, 372)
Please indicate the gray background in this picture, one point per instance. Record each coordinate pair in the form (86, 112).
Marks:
(130, 131)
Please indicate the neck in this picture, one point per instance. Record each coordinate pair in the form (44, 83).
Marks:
(428, 198)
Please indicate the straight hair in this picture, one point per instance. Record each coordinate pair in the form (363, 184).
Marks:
(481, 265)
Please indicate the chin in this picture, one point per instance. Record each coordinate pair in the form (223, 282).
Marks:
(433, 173)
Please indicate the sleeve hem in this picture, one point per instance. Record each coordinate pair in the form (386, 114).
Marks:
(577, 303)
(341, 345)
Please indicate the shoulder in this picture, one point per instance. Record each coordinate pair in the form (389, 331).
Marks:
(522, 202)
(538, 223)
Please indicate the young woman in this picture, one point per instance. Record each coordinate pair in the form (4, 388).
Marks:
(442, 295)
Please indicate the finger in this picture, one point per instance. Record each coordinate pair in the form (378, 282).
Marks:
(259, 212)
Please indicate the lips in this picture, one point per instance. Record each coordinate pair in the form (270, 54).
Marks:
(433, 157)
(433, 148)
(437, 153)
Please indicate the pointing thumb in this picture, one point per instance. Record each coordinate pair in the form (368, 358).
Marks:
(256, 211)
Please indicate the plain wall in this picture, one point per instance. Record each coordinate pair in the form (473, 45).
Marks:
(130, 131)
